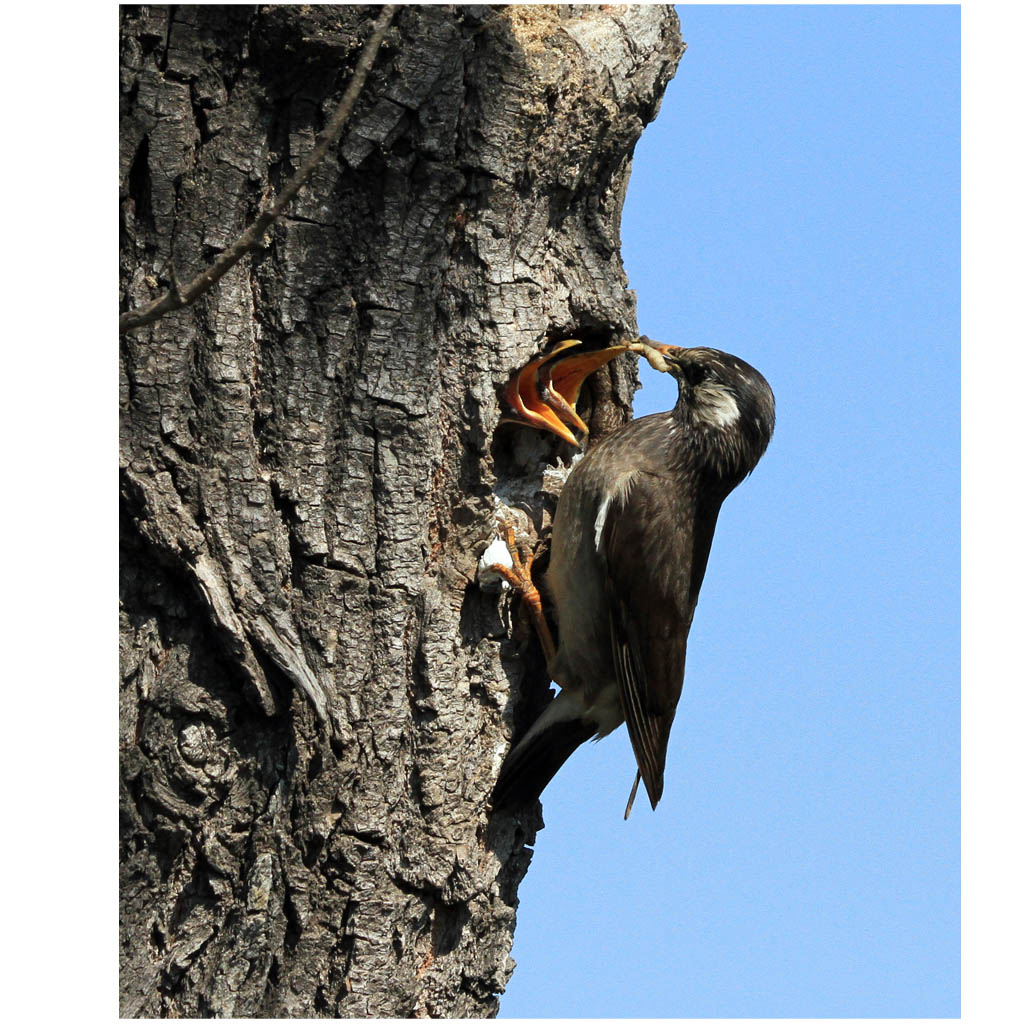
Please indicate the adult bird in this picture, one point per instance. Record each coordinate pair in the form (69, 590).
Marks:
(629, 548)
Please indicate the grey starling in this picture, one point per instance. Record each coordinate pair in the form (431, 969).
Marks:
(629, 548)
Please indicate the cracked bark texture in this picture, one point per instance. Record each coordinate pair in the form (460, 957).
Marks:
(316, 695)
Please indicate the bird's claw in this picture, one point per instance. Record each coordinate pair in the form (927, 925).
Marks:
(520, 578)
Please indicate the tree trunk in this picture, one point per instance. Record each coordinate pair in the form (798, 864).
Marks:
(316, 694)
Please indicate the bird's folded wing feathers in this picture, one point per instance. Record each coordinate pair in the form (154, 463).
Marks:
(647, 548)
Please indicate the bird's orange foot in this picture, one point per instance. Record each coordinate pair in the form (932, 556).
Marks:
(520, 577)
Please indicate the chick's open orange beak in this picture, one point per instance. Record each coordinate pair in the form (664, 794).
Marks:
(561, 381)
(524, 401)
(543, 394)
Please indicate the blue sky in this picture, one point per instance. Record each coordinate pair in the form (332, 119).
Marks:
(796, 202)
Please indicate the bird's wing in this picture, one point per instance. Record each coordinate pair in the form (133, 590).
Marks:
(647, 541)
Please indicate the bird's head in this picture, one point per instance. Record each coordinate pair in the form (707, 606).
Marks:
(727, 406)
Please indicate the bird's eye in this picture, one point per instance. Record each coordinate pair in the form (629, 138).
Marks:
(695, 373)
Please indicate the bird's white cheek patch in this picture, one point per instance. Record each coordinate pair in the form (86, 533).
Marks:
(717, 407)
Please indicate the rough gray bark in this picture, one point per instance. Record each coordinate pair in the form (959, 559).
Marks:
(315, 693)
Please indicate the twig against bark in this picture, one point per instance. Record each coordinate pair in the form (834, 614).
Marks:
(184, 295)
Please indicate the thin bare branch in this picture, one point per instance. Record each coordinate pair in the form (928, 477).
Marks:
(183, 295)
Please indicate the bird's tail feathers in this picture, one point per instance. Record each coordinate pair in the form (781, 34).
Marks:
(532, 763)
